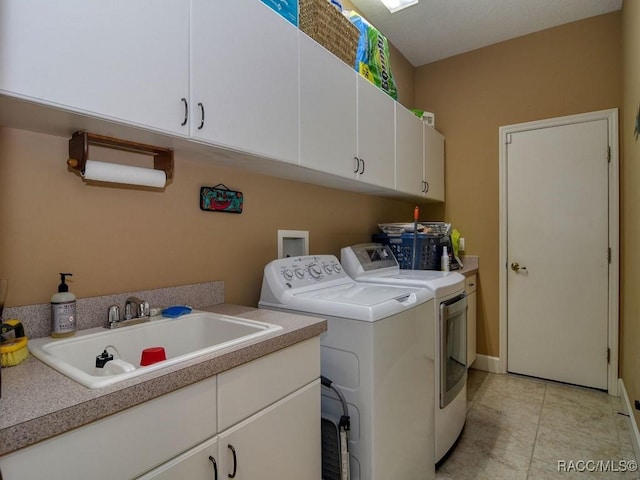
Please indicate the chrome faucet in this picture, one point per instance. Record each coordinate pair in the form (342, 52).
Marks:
(135, 311)
(135, 308)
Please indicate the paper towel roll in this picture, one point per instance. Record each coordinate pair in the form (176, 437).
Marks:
(115, 173)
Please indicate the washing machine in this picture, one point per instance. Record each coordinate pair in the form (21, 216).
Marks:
(378, 349)
(374, 263)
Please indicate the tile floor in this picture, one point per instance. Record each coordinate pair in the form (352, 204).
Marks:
(520, 428)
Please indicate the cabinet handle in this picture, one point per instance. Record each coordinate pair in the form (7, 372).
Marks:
(357, 162)
(426, 187)
(235, 461)
(362, 169)
(186, 112)
(201, 116)
(215, 467)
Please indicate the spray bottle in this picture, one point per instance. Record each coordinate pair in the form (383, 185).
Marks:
(445, 263)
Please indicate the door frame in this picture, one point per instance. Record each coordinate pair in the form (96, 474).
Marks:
(611, 116)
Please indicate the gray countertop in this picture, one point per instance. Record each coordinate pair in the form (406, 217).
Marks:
(470, 264)
(38, 403)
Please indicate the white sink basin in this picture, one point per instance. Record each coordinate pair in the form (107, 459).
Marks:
(183, 338)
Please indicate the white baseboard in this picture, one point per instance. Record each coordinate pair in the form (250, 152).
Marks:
(633, 426)
(488, 364)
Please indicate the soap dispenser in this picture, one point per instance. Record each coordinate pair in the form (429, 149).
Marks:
(63, 310)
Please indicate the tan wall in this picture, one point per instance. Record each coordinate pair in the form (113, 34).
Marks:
(630, 205)
(570, 69)
(119, 239)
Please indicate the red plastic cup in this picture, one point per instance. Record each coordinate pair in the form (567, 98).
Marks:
(152, 355)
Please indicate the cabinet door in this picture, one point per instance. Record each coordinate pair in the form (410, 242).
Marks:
(282, 441)
(376, 135)
(409, 152)
(470, 290)
(327, 111)
(434, 163)
(244, 78)
(125, 60)
(199, 463)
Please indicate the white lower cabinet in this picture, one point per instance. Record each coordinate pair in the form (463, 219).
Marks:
(199, 462)
(269, 423)
(470, 290)
(125, 444)
(282, 441)
(267, 411)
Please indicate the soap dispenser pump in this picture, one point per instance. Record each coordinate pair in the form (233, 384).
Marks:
(63, 310)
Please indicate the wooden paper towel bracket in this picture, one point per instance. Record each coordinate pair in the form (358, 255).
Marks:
(79, 151)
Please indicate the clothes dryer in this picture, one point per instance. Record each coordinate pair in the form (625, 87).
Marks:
(379, 350)
(374, 263)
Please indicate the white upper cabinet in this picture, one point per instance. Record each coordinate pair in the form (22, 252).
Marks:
(376, 135)
(125, 60)
(328, 116)
(244, 78)
(409, 152)
(434, 164)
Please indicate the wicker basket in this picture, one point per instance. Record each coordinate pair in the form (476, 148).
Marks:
(327, 26)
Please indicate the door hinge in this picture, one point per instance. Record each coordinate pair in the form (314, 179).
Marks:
(609, 254)
(608, 355)
(507, 138)
(608, 154)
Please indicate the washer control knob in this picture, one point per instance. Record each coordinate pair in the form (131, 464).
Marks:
(299, 273)
(337, 267)
(328, 269)
(288, 274)
(315, 270)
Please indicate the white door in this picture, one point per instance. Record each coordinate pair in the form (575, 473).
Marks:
(557, 252)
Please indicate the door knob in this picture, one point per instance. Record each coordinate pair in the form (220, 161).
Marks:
(516, 267)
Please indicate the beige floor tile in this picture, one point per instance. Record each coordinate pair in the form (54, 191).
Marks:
(590, 419)
(516, 386)
(487, 429)
(519, 428)
(559, 444)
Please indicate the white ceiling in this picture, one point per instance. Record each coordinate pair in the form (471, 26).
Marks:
(437, 29)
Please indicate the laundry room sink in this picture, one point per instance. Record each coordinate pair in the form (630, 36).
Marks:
(183, 338)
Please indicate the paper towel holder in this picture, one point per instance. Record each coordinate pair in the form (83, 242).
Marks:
(79, 151)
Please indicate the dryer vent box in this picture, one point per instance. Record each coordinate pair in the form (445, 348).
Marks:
(293, 243)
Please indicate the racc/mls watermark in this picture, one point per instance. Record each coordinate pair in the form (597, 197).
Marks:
(592, 466)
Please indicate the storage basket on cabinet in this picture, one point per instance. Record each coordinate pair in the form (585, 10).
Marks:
(327, 26)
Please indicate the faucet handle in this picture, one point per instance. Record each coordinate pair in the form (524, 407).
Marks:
(113, 315)
(143, 309)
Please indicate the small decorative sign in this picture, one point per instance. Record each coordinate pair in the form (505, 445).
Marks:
(220, 199)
